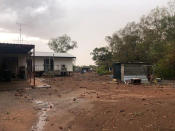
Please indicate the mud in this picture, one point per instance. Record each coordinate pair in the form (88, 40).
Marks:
(44, 108)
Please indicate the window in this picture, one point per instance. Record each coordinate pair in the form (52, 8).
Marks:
(48, 64)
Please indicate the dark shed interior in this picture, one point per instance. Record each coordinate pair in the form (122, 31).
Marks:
(10, 57)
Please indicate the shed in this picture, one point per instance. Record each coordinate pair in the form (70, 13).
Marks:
(128, 71)
(13, 60)
(86, 69)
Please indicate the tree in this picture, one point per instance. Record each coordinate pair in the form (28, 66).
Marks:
(102, 56)
(62, 44)
(151, 40)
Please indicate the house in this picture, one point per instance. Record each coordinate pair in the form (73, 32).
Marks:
(61, 63)
(13, 61)
(128, 71)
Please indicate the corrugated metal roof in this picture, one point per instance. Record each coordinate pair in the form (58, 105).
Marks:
(10, 48)
(51, 54)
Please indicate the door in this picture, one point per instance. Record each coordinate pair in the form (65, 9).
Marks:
(46, 65)
(117, 71)
(51, 65)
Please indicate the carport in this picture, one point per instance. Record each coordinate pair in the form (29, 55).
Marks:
(15, 61)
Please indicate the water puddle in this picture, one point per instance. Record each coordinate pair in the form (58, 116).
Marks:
(43, 108)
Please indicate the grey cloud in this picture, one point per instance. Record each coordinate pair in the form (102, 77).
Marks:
(41, 18)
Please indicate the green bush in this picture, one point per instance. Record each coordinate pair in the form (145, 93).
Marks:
(101, 70)
(164, 70)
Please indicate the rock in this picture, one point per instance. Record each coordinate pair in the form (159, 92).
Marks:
(98, 96)
(61, 128)
(44, 109)
(59, 95)
(14, 118)
(18, 94)
(143, 99)
(131, 119)
(74, 99)
(30, 99)
(37, 108)
(8, 113)
(43, 86)
(82, 95)
(164, 117)
(33, 87)
(122, 110)
(47, 119)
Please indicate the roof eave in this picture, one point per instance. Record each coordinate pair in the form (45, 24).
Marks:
(55, 56)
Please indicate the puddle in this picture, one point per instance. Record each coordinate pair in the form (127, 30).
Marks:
(43, 108)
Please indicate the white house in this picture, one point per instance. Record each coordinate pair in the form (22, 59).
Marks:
(49, 61)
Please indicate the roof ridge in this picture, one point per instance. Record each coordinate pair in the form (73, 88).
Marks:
(52, 53)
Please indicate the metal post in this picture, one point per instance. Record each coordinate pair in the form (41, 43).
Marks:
(49, 63)
(29, 67)
(53, 63)
(20, 33)
(34, 66)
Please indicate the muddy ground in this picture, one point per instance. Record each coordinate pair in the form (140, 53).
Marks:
(87, 102)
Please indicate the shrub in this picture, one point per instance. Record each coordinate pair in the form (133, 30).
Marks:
(101, 70)
(164, 70)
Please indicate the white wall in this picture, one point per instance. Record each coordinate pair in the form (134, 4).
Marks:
(122, 72)
(68, 62)
(22, 60)
(39, 63)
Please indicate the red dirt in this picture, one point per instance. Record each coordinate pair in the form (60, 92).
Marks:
(88, 102)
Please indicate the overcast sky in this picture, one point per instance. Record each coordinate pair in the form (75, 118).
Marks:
(86, 21)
